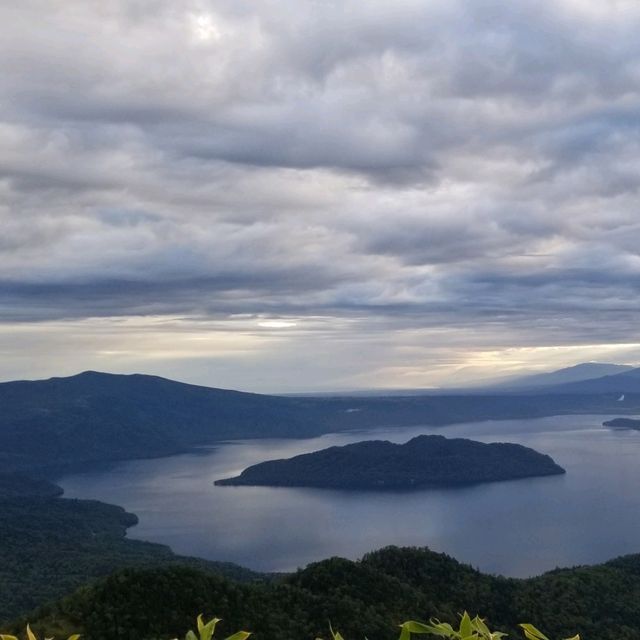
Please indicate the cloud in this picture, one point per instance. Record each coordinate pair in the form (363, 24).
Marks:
(392, 167)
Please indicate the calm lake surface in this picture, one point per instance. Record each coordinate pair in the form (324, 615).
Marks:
(516, 528)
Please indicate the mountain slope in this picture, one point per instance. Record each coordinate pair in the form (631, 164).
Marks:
(55, 426)
(97, 417)
(51, 545)
(627, 382)
(576, 373)
(367, 598)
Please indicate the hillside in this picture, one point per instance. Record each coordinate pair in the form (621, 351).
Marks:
(18, 485)
(424, 461)
(110, 417)
(364, 598)
(58, 425)
(50, 546)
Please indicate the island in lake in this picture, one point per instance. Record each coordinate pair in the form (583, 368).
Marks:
(425, 461)
(623, 423)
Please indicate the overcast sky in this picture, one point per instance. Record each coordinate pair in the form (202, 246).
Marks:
(313, 194)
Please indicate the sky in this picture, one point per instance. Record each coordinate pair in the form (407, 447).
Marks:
(293, 195)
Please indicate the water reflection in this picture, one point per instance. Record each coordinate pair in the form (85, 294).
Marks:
(517, 528)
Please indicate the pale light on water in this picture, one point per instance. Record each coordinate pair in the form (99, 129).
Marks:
(516, 528)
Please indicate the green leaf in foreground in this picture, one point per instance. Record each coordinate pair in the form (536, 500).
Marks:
(469, 629)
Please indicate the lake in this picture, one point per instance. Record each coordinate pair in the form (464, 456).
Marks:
(516, 528)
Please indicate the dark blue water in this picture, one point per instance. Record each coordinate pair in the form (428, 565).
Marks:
(517, 528)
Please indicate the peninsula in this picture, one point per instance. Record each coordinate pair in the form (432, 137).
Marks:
(623, 423)
(423, 462)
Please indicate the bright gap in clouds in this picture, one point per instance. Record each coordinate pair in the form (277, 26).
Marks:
(204, 27)
(277, 324)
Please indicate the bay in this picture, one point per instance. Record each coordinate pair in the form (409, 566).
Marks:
(516, 528)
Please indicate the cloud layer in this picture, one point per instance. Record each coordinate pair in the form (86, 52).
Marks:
(419, 189)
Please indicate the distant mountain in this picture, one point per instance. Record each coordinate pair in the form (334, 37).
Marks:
(425, 461)
(576, 373)
(100, 417)
(50, 427)
(620, 384)
(524, 382)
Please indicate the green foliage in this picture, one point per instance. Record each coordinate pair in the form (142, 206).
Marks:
(30, 635)
(531, 633)
(206, 630)
(469, 629)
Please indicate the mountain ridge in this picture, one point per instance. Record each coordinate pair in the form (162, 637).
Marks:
(50, 427)
(625, 382)
(576, 373)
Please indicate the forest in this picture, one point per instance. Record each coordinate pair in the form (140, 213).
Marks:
(50, 546)
(368, 598)
(424, 461)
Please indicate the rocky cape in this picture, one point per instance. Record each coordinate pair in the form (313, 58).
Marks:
(423, 462)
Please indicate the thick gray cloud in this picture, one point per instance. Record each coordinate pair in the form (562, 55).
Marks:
(399, 190)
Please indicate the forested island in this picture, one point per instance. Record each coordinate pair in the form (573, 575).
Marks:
(424, 461)
(623, 423)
